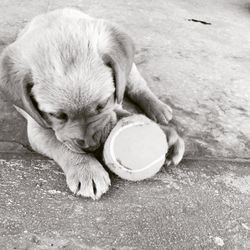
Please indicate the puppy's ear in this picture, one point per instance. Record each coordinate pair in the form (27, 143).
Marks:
(29, 102)
(118, 54)
(16, 84)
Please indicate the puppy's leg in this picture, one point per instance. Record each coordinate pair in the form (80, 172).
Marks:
(140, 93)
(85, 176)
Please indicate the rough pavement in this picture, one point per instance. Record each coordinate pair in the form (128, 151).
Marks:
(198, 205)
(202, 71)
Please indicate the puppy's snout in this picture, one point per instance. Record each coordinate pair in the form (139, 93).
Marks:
(84, 145)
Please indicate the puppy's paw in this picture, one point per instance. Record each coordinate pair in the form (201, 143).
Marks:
(176, 146)
(159, 112)
(88, 180)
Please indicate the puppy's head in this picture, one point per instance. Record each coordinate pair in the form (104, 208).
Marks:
(81, 109)
(76, 81)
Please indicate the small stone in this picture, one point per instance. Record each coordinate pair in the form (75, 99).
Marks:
(54, 191)
(218, 241)
(245, 226)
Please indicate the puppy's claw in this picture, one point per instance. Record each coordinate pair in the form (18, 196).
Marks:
(167, 162)
(178, 151)
(77, 189)
(176, 146)
(107, 180)
(88, 181)
(159, 112)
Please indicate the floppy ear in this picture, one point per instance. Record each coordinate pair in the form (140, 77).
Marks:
(118, 54)
(16, 84)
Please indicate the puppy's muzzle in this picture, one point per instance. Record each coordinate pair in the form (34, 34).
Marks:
(100, 131)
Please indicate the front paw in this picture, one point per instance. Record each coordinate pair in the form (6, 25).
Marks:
(159, 112)
(88, 179)
(176, 146)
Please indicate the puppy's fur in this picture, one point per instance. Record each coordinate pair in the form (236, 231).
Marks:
(67, 74)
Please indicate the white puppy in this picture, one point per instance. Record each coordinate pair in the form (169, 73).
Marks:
(67, 74)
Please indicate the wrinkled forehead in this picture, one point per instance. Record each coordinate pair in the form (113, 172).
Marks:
(73, 98)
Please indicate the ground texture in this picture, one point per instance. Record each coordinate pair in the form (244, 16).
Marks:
(201, 69)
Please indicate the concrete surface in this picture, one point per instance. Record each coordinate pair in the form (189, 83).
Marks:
(198, 205)
(202, 71)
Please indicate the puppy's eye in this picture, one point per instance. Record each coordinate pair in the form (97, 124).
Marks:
(60, 116)
(102, 105)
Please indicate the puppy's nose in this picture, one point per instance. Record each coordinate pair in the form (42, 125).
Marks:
(81, 143)
(85, 146)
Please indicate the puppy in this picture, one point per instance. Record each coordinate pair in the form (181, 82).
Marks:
(67, 74)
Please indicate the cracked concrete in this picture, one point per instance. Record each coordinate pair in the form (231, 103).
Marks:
(202, 71)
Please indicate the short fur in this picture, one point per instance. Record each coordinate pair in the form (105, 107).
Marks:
(67, 74)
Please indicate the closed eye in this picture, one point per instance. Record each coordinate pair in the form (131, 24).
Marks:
(102, 105)
(60, 116)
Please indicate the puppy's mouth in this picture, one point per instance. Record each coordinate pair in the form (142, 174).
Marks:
(91, 149)
(72, 147)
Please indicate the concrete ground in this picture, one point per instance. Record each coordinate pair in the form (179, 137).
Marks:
(202, 70)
